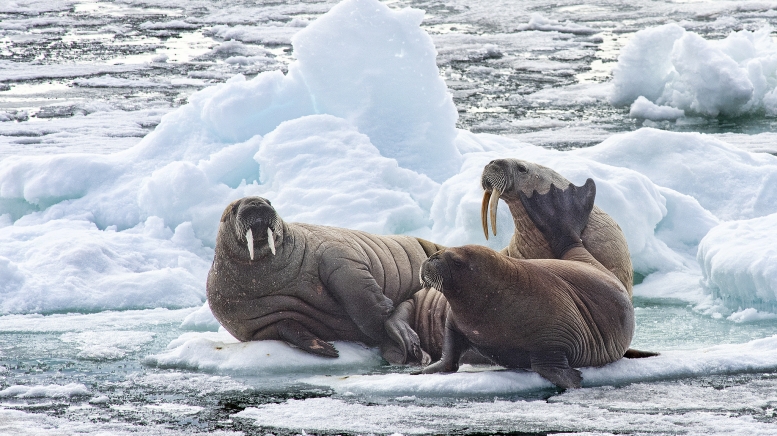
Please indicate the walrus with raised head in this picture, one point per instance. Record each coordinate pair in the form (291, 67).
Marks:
(548, 315)
(307, 284)
(506, 179)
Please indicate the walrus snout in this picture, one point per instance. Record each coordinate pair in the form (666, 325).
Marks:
(256, 221)
(430, 274)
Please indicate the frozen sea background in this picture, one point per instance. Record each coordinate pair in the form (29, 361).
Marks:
(129, 125)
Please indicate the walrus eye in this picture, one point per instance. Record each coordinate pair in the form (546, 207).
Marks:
(522, 168)
(458, 263)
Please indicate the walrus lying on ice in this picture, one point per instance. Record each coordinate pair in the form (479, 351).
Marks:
(507, 178)
(549, 315)
(307, 284)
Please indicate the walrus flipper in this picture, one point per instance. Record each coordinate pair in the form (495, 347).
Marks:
(296, 334)
(554, 367)
(561, 215)
(404, 345)
(454, 345)
(639, 354)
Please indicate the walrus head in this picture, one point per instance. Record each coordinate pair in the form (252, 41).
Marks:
(255, 224)
(448, 270)
(505, 178)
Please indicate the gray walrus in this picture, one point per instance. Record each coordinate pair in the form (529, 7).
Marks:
(549, 315)
(307, 284)
(507, 178)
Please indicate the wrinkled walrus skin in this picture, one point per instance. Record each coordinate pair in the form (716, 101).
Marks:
(307, 284)
(506, 178)
(548, 315)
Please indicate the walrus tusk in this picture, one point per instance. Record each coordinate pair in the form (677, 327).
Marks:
(494, 203)
(483, 209)
(250, 241)
(271, 240)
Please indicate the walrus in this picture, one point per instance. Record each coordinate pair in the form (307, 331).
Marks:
(307, 284)
(507, 178)
(547, 315)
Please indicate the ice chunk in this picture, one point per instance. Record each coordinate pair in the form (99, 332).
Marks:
(644, 108)
(673, 67)
(201, 319)
(739, 265)
(50, 391)
(538, 22)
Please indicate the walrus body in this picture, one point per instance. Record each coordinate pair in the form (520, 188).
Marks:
(507, 178)
(548, 315)
(307, 284)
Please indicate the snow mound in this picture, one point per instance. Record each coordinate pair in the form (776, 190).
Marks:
(670, 66)
(220, 352)
(739, 266)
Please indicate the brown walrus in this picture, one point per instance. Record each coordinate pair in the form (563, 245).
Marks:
(549, 315)
(307, 284)
(507, 178)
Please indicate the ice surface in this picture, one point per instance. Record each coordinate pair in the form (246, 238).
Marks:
(37, 424)
(757, 355)
(670, 66)
(638, 411)
(220, 352)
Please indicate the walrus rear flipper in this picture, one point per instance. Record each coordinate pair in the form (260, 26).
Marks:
(554, 366)
(561, 215)
(638, 354)
(296, 334)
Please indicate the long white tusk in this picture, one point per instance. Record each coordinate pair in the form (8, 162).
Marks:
(250, 241)
(271, 240)
(484, 211)
(494, 203)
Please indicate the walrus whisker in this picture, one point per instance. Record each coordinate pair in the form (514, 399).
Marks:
(250, 241)
(493, 205)
(270, 240)
(483, 212)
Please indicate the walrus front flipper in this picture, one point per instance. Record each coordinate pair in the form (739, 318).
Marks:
(453, 346)
(561, 215)
(296, 334)
(404, 345)
(554, 366)
(638, 354)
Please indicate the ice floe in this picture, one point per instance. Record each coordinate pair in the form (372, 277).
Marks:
(671, 66)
